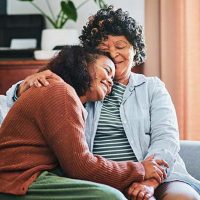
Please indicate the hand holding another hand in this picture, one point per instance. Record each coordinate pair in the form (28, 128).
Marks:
(153, 169)
(140, 191)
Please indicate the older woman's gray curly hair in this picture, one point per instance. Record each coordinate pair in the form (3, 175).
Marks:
(114, 22)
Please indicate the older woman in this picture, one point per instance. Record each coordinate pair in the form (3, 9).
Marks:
(139, 105)
(137, 118)
(45, 129)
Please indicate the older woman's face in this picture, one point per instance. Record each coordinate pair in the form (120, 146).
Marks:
(102, 72)
(122, 53)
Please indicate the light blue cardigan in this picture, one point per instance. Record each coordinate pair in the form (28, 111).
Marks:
(149, 120)
(150, 123)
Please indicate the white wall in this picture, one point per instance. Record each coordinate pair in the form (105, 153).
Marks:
(134, 7)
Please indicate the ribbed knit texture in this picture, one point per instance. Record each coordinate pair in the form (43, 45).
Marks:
(45, 128)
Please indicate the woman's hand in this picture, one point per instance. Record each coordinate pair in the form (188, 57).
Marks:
(140, 191)
(153, 169)
(38, 80)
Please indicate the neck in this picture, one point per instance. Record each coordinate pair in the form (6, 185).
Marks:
(83, 99)
(123, 80)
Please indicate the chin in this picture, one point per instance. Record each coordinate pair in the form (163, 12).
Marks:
(101, 97)
(97, 97)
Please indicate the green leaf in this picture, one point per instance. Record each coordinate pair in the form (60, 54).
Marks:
(69, 10)
(101, 3)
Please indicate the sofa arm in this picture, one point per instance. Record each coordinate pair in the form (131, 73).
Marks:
(190, 153)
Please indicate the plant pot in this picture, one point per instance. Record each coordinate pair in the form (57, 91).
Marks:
(58, 37)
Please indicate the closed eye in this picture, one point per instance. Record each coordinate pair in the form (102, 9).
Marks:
(120, 44)
(108, 70)
(120, 47)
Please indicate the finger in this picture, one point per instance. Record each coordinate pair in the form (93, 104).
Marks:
(150, 157)
(130, 191)
(160, 173)
(141, 195)
(135, 193)
(131, 188)
(36, 83)
(43, 81)
(162, 162)
(147, 196)
(157, 177)
(164, 174)
(31, 84)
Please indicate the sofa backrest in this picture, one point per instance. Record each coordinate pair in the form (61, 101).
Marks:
(190, 153)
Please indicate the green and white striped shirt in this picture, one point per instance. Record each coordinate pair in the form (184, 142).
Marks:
(110, 140)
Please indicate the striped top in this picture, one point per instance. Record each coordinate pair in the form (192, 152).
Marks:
(111, 141)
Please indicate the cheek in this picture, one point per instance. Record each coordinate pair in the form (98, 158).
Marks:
(94, 80)
(95, 86)
(131, 56)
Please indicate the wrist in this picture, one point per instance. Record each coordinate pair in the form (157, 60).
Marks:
(151, 182)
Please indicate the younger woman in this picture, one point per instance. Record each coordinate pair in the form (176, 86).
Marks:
(44, 130)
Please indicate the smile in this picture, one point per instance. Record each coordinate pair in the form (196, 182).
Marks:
(105, 87)
(116, 63)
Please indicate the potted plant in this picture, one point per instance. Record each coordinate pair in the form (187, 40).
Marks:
(58, 35)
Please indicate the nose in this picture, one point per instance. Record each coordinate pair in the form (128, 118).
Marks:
(113, 52)
(110, 81)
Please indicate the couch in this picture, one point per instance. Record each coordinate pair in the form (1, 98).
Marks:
(190, 153)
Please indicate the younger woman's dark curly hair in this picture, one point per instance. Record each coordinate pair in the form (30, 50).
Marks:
(114, 22)
(71, 64)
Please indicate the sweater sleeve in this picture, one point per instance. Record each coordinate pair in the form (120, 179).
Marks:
(62, 124)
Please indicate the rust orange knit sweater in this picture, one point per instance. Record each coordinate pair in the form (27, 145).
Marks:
(45, 128)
